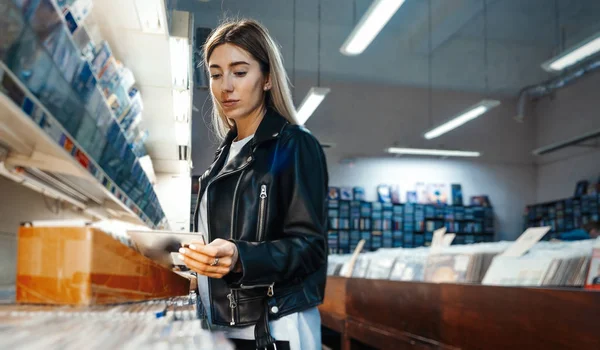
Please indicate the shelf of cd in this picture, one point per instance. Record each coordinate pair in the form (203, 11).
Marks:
(54, 100)
(388, 225)
(42, 139)
(420, 315)
(563, 215)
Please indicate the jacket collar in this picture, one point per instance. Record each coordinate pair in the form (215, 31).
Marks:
(270, 128)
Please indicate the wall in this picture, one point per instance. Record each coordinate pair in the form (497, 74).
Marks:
(174, 194)
(510, 187)
(19, 204)
(571, 112)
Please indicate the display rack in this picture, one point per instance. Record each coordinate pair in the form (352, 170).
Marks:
(563, 215)
(401, 315)
(387, 225)
(56, 118)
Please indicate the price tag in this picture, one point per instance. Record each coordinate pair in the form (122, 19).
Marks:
(438, 238)
(448, 238)
(527, 240)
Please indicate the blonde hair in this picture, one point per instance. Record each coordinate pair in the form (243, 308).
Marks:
(255, 39)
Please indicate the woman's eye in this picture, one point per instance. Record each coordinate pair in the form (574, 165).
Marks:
(240, 74)
(215, 76)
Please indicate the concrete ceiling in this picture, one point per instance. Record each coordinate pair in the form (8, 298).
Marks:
(416, 74)
(508, 45)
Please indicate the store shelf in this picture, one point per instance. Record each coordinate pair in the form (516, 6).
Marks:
(456, 220)
(397, 315)
(58, 152)
(386, 225)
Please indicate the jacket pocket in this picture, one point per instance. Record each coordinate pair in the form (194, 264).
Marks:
(262, 213)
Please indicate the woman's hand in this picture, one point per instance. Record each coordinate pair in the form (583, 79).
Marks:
(201, 258)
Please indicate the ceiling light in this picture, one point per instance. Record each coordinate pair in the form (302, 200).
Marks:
(590, 135)
(432, 152)
(180, 62)
(577, 53)
(465, 116)
(370, 25)
(313, 99)
(151, 16)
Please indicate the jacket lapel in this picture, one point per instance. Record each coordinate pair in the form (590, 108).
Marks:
(270, 128)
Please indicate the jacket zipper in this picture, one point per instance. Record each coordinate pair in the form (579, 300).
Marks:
(261, 212)
(231, 295)
(232, 306)
(270, 291)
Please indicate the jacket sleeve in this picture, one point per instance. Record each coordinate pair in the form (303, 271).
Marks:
(302, 248)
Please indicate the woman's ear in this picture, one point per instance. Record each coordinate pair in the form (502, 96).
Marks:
(267, 86)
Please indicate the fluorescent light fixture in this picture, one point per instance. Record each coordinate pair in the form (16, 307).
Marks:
(371, 23)
(590, 135)
(180, 62)
(462, 118)
(182, 133)
(310, 103)
(577, 53)
(151, 14)
(182, 105)
(432, 152)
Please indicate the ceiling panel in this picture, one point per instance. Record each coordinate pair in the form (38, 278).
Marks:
(521, 34)
(162, 150)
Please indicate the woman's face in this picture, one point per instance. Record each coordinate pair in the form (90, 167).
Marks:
(236, 81)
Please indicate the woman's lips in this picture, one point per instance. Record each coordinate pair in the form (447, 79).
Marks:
(230, 103)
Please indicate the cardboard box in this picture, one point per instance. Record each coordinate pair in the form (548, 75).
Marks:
(85, 266)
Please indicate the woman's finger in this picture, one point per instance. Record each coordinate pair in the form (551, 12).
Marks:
(191, 254)
(195, 255)
(223, 262)
(207, 250)
(223, 266)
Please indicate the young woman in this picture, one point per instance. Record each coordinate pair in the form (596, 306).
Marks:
(262, 201)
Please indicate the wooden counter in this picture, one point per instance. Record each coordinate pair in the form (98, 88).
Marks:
(402, 315)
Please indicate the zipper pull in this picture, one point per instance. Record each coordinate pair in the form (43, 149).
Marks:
(263, 191)
(232, 306)
(270, 292)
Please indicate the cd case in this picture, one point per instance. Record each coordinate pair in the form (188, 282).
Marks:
(163, 246)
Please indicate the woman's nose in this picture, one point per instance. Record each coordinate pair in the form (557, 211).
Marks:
(227, 85)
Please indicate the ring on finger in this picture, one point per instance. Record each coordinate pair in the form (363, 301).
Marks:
(215, 263)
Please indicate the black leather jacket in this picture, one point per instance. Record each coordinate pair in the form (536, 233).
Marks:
(270, 200)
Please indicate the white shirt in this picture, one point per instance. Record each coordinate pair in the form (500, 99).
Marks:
(301, 329)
